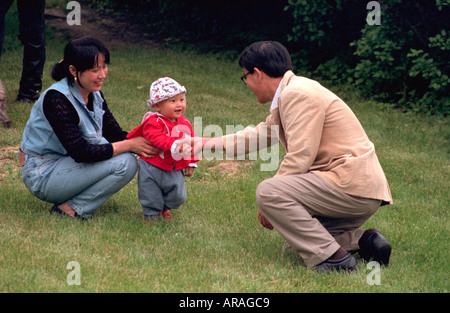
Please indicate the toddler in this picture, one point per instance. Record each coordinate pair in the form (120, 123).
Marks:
(161, 178)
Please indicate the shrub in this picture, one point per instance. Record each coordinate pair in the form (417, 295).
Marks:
(405, 60)
(323, 30)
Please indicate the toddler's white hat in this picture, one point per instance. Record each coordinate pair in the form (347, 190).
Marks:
(163, 89)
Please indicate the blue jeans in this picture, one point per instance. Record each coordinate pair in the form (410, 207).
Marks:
(84, 186)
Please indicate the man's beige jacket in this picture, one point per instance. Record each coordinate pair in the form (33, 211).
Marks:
(320, 134)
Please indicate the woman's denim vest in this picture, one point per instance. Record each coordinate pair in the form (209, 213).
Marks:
(40, 144)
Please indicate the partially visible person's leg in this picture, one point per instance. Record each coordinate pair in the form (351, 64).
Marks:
(4, 7)
(32, 36)
(4, 118)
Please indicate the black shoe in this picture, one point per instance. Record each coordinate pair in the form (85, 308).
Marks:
(374, 247)
(347, 263)
(56, 210)
(26, 99)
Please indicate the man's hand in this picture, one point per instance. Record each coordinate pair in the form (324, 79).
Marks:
(189, 146)
(263, 220)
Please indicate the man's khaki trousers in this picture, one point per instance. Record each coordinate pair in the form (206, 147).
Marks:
(313, 216)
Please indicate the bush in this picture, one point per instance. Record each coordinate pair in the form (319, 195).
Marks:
(404, 61)
(323, 30)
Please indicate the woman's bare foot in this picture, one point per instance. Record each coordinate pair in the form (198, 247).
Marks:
(67, 209)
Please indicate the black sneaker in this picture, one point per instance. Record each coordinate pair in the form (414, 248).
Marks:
(25, 99)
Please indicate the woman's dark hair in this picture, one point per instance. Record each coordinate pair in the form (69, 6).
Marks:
(83, 54)
(271, 57)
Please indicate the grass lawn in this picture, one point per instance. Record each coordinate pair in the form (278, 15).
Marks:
(215, 242)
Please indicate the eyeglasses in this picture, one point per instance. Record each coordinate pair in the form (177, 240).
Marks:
(244, 78)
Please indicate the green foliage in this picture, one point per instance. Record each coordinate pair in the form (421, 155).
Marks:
(404, 61)
(379, 71)
(322, 28)
(435, 72)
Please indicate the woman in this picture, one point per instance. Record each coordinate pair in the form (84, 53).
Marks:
(74, 153)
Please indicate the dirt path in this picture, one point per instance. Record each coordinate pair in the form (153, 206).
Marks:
(8, 162)
(110, 30)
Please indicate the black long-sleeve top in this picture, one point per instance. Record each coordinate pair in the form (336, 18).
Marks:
(64, 120)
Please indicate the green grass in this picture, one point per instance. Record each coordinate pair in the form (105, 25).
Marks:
(215, 242)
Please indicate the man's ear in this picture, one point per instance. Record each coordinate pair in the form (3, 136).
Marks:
(259, 74)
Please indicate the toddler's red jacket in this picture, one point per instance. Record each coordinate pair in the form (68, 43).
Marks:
(161, 132)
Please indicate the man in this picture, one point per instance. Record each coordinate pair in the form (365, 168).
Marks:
(32, 36)
(329, 182)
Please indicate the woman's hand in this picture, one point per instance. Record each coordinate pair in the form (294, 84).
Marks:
(141, 146)
(138, 145)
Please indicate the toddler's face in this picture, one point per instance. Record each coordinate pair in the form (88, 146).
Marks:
(173, 107)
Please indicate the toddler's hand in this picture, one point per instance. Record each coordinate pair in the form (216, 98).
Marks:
(188, 171)
(189, 146)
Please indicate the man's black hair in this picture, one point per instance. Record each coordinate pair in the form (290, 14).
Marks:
(271, 57)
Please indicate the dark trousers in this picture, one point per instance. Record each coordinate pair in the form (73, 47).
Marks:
(32, 36)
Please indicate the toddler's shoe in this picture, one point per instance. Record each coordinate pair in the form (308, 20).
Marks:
(163, 215)
(166, 215)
